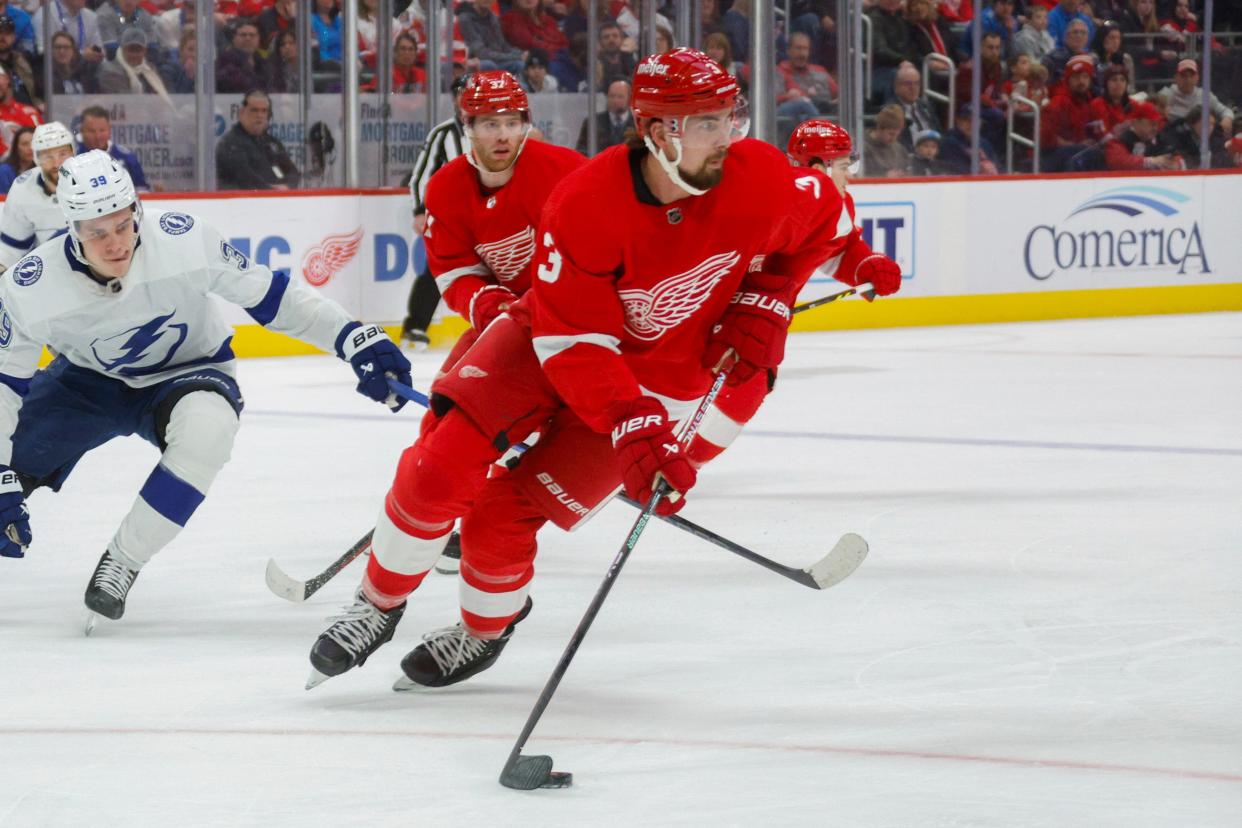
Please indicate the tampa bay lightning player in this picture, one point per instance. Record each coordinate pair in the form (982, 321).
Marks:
(31, 215)
(123, 300)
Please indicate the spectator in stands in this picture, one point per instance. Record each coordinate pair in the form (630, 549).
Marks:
(527, 26)
(956, 11)
(892, 43)
(326, 29)
(919, 113)
(663, 40)
(924, 160)
(716, 46)
(281, 71)
(1156, 55)
(1076, 38)
(95, 130)
(129, 73)
(1000, 20)
(569, 67)
(1137, 147)
(614, 63)
(1065, 13)
(928, 32)
(611, 124)
(12, 110)
(116, 16)
(19, 159)
(810, 79)
(1233, 149)
(248, 157)
(73, 17)
(22, 26)
(277, 18)
(15, 62)
(171, 23)
(241, 67)
(736, 26)
(1064, 131)
(1033, 38)
(576, 20)
(1181, 20)
(955, 147)
(70, 74)
(1185, 93)
(884, 156)
(1112, 107)
(485, 40)
(407, 75)
(629, 18)
(1033, 88)
(179, 73)
(1182, 136)
(992, 101)
(1108, 48)
(814, 18)
(535, 78)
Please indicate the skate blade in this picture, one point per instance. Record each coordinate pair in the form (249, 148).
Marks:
(407, 685)
(448, 568)
(315, 679)
(91, 619)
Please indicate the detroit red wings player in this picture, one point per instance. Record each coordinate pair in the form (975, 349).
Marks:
(824, 147)
(483, 207)
(657, 264)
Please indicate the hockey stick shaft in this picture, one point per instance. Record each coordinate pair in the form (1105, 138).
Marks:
(610, 578)
(865, 290)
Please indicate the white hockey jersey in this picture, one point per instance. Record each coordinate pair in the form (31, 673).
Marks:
(156, 322)
(30, 217)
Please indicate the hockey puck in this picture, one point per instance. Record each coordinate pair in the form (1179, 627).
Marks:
(558, 779)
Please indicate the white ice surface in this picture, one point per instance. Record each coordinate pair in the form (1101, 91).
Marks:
(1047, 631)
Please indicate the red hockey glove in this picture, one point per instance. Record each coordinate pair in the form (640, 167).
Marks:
(882, 272)
(750, 337)
(488, 303)
(646, 450)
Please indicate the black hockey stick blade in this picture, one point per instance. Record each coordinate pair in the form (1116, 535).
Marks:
(527, 773)
(291, 589)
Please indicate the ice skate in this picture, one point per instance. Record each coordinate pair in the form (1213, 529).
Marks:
(107, 590)
(450, 654)
(354, 635)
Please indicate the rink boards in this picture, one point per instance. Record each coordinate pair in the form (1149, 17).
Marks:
(994, 249)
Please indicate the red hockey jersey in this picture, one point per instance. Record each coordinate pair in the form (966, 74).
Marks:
(627, 290)
(477, 237)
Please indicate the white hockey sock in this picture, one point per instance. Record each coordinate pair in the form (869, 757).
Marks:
(199, 440)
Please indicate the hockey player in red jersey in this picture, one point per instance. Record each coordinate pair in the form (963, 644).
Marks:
(483, 207)
(658, 265)
(482, 211)
(825, 147)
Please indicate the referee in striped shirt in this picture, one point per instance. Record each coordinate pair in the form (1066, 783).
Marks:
(444, 143)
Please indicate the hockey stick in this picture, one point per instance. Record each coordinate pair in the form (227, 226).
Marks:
(816, 576)
(297, 591)
(526, 773)
(840, 562)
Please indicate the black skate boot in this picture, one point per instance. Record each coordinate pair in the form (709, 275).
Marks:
(356, 633)
(105, 594)
(450, 654)
(450, 559)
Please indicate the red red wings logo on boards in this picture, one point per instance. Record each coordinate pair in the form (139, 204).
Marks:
(509, 256)
(649, 313)
(325, 260)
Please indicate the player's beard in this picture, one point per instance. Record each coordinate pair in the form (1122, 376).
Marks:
(704, 178)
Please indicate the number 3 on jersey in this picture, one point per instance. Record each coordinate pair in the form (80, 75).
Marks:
(551, 270)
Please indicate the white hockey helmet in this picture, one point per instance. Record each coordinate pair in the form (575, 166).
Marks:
(50, 136)
(91, 185)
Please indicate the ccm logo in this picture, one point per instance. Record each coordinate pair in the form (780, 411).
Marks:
(762, 302)
(562, 497)
(635, 424)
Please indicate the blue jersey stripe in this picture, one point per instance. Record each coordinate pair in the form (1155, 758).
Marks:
(266, 310)
(20, 244)
(171, 496)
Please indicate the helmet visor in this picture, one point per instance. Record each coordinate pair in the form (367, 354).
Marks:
(715, 129)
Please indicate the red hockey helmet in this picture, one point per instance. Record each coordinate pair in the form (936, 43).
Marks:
(680, 83)
(493, 93)
(820, 139)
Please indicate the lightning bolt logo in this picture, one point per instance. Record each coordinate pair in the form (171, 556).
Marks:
(121, 353)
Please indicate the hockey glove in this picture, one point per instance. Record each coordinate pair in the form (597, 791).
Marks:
(487, 303)
(647, 450)
(374, 357)
(882, 272)
(750, 337)
(14, 518)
